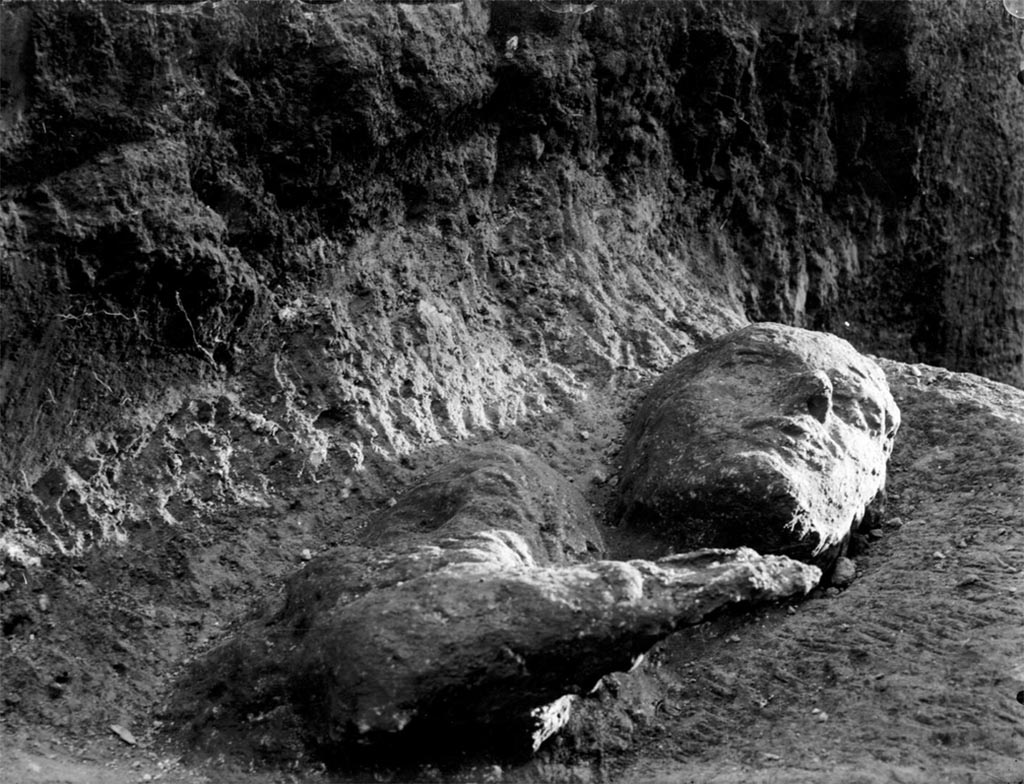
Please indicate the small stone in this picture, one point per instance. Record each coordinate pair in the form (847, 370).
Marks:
(845, 572)
(895, 522)
(5, 586)
(875, 534)
(939, 555)
(392, 501)
(791, 610)
(831, 593)
(124, 734)
(584, 435)
(734, 638)
(306, 555)
(44, 602)
(822, 716)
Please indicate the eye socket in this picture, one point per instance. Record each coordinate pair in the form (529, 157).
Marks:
(818, 406)
(890, 425)
(754, 355)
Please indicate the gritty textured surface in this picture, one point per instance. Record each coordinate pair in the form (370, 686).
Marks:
(471, 244)
(375, 228)
(915, 667)
(773, 437)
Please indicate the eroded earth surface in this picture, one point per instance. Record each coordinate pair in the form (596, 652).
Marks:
(268, 265)
(909, 675)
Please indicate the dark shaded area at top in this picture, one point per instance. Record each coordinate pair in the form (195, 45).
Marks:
(850, 166)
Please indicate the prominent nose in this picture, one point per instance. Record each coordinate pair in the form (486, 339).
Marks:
(816, 392)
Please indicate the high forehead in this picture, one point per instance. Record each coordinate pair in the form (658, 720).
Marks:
(778, 351)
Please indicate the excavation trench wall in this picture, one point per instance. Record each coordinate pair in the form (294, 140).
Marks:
(248, 245)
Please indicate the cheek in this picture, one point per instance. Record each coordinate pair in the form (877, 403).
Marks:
(858, 443)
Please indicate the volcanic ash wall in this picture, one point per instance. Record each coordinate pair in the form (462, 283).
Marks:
(246, 245)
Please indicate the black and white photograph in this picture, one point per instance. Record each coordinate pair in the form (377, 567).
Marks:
(512, 392)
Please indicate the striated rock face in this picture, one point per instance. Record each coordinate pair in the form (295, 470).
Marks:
(261, 261)
(380, 226)
(773, 437)
(446, 619)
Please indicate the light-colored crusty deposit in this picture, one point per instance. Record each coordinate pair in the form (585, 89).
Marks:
(773, 437)
(442, 633)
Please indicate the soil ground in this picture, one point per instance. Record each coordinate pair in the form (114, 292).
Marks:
(910, 675)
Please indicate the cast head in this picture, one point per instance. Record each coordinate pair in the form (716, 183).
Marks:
(773, 437)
